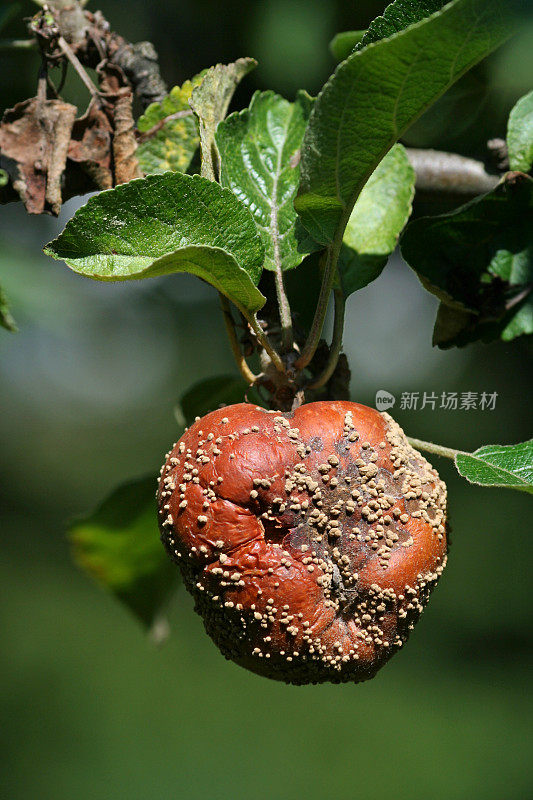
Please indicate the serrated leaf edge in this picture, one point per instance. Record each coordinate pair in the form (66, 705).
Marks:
(516, 479)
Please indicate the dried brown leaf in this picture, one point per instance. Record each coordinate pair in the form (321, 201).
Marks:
(34, 140)
(90, 146)
(124, 141)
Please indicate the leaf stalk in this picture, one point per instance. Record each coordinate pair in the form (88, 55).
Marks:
(264, 341)
(336, 341)
(328, 279)
(436, 449)
(229, 322)
(287, 337)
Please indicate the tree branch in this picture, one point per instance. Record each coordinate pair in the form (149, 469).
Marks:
(449, 173)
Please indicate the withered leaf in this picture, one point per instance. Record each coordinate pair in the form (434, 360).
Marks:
(34, 140)
(119, 99)
(124, 141)
(90, 146)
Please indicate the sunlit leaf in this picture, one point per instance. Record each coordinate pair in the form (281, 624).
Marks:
(396, 17)
(377, 219)
(507, 466)
(260, 152)
(478, 260)
(119, 546)
(164, 224)
(376, 94)
(520, 134)
(210, 102)
(169, 132)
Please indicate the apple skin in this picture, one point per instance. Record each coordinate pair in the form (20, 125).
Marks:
(310, 540)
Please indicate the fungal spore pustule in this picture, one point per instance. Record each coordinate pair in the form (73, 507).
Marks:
(310, 540)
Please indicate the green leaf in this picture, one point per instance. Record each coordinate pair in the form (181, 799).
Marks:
(508, 466)
(376, 94)
(260, 152)
(6, 320)
(210, 102)
(163, 224)
(520, 134)
(377, 219)
(169, 132)
(119, 546)
(478, 260)
(398, 16)
(211, 393)
(344, 43)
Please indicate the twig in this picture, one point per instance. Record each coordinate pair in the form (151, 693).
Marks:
(186, 112)
(264, 341)
(229, 322)
(76, 63)
(450, 173)
(436, 449)
(336, 342)
(42, 83)
(521, 295)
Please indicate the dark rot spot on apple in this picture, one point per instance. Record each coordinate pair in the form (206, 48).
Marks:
(310, 541)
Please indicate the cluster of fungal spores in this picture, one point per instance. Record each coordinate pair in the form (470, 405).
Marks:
(310, 540)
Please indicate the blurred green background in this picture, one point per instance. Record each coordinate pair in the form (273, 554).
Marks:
(90, 708)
